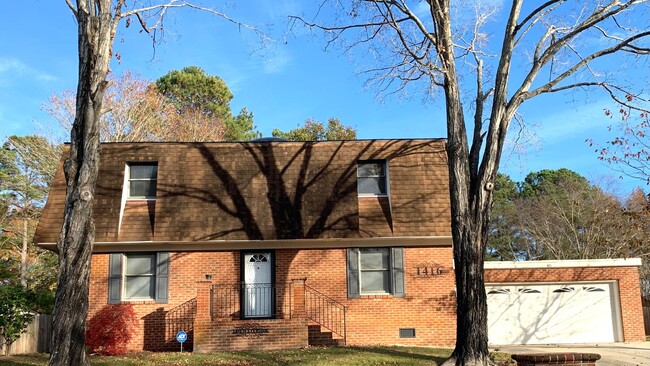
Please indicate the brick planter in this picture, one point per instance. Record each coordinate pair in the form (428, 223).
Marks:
(544, 359)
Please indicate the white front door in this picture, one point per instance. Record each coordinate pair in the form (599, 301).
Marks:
(258, 290)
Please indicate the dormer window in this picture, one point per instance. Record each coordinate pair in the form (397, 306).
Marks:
(143, 178)
(371, 178)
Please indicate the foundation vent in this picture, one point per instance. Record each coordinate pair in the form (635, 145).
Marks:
(407, 332)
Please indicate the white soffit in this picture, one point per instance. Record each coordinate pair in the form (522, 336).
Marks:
(576, 263)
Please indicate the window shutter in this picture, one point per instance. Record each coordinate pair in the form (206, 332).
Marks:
(397, 272)
(162, 277)
(353, 273)
(115, 278)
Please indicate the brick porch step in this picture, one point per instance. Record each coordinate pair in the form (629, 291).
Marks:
(320, 338)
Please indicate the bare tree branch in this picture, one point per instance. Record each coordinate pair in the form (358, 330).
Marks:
(442, 43)
(536, 14)
(522, 94)
(71, 6)
(143, 24)
(162, 8)
(553, 48)
(500, 117)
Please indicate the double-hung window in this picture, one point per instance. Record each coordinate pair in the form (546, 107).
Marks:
(138, 277)
(143, 179)
(371, 178)
(375, 271)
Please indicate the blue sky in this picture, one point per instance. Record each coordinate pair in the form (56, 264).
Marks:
(283, 84)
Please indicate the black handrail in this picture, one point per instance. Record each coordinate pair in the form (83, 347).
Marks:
(180, 317)
(242, 301)
(227, 301)
(326, 311)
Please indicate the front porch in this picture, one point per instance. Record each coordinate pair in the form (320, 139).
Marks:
(265, 316)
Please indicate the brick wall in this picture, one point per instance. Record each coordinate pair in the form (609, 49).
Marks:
(429, 305)
(627, 279)
(282, 334)
(158, 323)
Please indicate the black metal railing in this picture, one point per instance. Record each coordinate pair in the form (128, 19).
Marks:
(244, 301)
(325, 311)
(176, 319)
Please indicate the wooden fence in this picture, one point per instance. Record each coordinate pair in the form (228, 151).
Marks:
(36, 337)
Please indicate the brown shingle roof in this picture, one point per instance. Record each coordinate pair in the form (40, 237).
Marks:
(276, 190)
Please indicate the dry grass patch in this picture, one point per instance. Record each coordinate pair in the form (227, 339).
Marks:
(376, 355)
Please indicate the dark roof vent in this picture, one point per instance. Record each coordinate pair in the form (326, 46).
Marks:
(270, 139)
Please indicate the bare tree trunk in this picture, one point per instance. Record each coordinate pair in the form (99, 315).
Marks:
(469, 211)
(469, 231)
(97, 22)
(96, 33)
(412, 48)
(23, 255)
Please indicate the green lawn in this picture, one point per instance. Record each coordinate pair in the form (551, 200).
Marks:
(309, 356)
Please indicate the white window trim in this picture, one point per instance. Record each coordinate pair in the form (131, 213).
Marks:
(125, 192)
(125, 195)
(127, 182)
(385, 162)
(123, 297)
(390, 275)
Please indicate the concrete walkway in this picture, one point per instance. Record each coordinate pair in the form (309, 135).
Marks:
(612, 354)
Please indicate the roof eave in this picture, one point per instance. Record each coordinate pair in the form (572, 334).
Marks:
(215, 245)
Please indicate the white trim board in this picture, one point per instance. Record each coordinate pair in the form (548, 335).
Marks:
(576, 263)
(212, 245)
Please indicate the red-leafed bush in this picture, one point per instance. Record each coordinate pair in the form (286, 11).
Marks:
(110, 329)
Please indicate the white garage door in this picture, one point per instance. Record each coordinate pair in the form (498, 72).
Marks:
(552, 313)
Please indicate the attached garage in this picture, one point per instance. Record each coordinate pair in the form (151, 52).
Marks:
(549, 302)
(579, 312)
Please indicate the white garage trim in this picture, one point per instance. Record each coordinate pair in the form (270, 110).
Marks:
(539, 313)
(578, 263)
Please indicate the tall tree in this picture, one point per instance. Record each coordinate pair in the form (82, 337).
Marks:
(637, 205)
(26, 170)
(558, 214)
(191, 90)
(549, 182)
(317, 131)
(505, 242)
(135, 111)
(97, 23)
(557, 45)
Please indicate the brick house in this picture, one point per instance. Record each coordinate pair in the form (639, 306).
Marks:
(280, 244)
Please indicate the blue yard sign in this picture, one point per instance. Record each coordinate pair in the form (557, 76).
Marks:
(181, 337)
